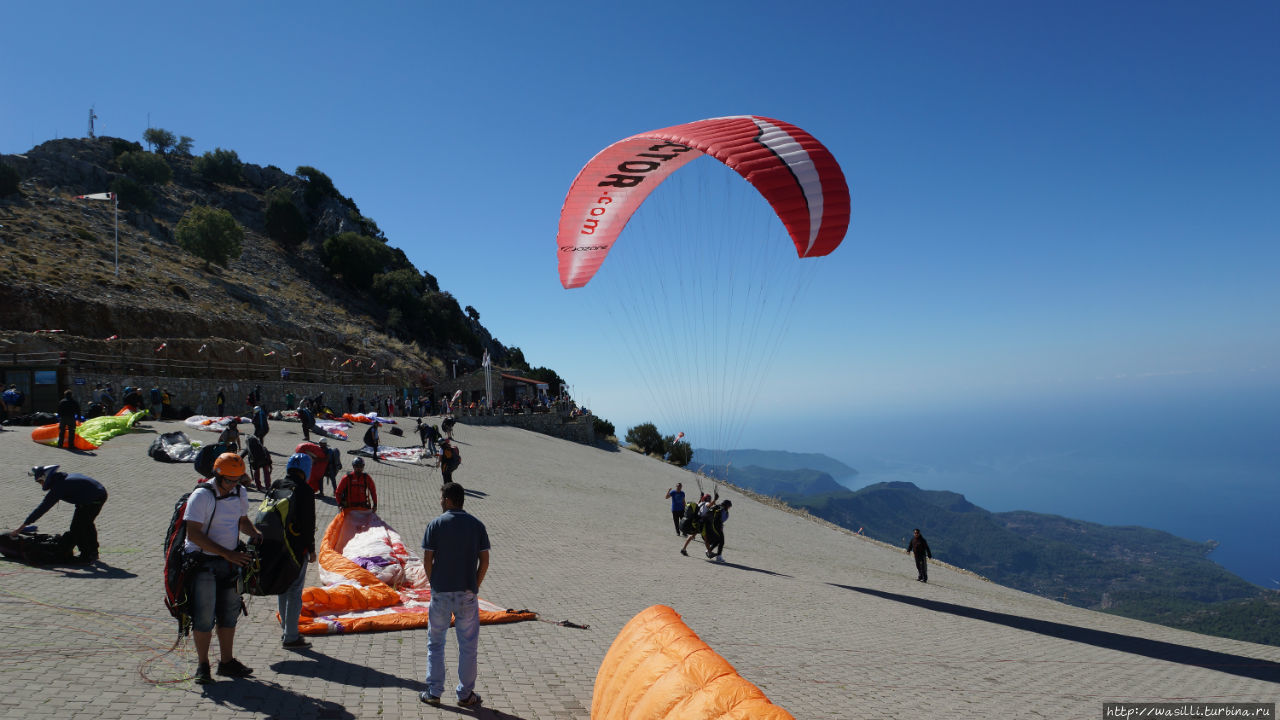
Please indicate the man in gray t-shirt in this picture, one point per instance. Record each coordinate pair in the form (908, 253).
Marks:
(455, 552)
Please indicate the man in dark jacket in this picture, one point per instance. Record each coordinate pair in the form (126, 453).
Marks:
(221, 402)
(308, 420)
(920, 549)
(303, 543)
(68, 409)
(85, 493)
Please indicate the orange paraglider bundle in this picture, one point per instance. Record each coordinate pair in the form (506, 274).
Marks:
(659, 669)
(371, 581)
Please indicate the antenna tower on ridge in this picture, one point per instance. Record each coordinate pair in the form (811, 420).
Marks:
(92, 116)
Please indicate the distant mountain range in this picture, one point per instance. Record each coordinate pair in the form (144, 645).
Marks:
(1132, 571)
(773, 460)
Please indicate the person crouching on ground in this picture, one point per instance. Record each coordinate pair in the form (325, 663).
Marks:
(356, 490)
(455, 553)
(82, 491)
(302, 541)
(215, 518)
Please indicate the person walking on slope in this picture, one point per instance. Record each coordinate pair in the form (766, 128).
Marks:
(68, 409)
(455, 553)
(86, 494)
(302, 541)
(676, 496)
(356, 489)
(920, 548)
(215, 518)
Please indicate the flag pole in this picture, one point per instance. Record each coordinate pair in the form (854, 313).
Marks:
(116, 198)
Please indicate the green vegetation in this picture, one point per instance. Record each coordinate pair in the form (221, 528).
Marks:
(132, 194)
(159, 139)
(319, 186)
(357, 258)
(646, 437)
(8, 180)
(147, 168)
(603, 428)
(184, 146)
(219, 165)
(210, 234)
(678, 452)
(284, 221)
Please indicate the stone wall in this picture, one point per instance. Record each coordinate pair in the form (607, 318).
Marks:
(199, 393)
(577, 429)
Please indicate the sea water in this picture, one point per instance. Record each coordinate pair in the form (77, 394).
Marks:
(1202, 464)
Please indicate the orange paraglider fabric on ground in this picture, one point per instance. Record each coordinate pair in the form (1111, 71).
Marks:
(659, 669)
(48, 435)
(371, 581)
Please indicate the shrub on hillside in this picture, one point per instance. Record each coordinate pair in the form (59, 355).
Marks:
(8, 180)
(119, 146)
(131, 193)
(604, 428)
(399, 288)
(679, 452)
(218, 165)
(210, 234)
(147, 168)
(319, 186)
(357, 257)
(645, 437)
(184, 146)
(159, 138)
(284, 221)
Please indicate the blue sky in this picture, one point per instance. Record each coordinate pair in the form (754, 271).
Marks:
(1050, 200)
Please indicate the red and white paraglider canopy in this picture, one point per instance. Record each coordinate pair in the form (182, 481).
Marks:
(794, 172)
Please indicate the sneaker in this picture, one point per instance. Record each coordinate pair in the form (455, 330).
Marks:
(470, 701)
(203, 676)
(710, 555)
(295, 644)
(428, 698)
(234, 668)
(719, 558)
(682, 552)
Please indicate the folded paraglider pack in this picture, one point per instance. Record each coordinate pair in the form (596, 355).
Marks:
(37, 548)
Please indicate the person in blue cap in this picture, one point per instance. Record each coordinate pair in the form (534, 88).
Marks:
(86, 494)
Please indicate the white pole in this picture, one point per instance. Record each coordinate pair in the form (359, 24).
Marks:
(117, 203)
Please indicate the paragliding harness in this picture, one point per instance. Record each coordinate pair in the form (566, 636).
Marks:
(180, 566)
(206, 456)
(38, 548)
(691, 524)
(275, 563)
(450, 458)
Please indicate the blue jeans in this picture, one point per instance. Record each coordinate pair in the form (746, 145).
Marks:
(290, 605)
(463, 607)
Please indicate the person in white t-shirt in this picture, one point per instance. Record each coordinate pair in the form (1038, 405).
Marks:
(216, 513)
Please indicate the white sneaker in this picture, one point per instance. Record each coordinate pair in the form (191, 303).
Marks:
(719, 558)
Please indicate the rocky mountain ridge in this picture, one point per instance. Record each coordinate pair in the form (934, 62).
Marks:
(58, 254)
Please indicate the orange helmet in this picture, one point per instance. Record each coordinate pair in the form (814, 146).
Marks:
(229, 464)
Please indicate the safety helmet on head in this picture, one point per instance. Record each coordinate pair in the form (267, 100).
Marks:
(229, 464)
(40, 472)
(358, 462)
(324, 443)
(257, 408)
(299, 461)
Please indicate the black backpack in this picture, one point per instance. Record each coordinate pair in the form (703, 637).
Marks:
(178, 568)
(276, 561)
(207, 455)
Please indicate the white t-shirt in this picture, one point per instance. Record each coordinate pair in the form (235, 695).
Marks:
(223, 526)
